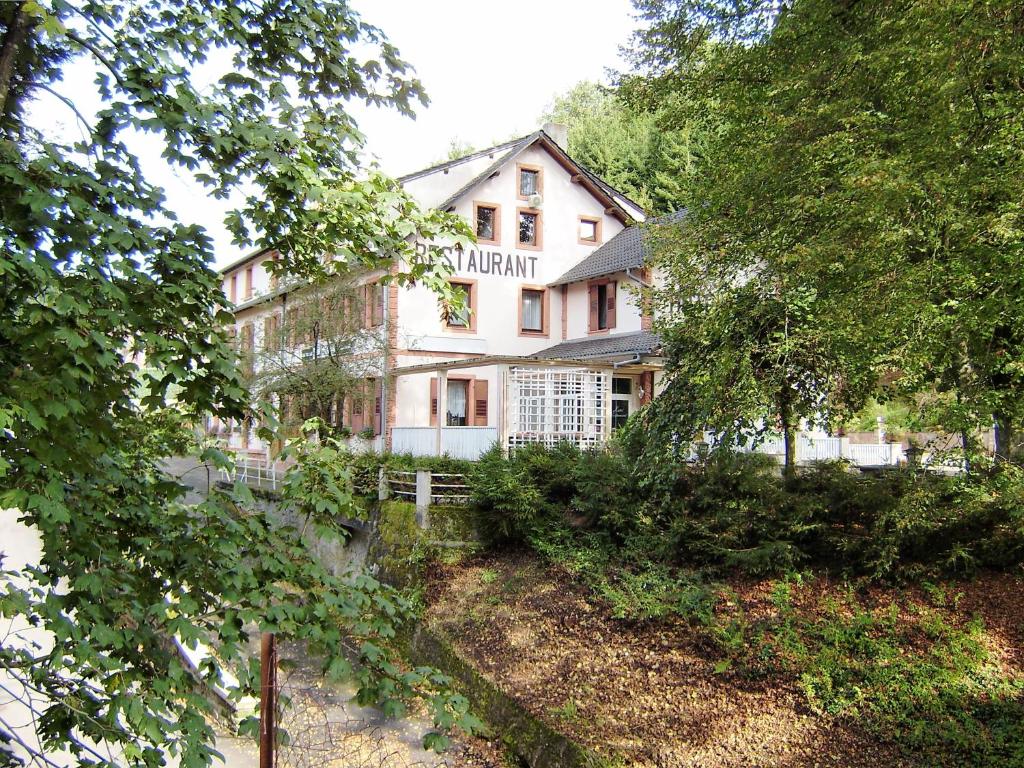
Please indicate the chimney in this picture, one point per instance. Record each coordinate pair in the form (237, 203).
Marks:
(559, 133)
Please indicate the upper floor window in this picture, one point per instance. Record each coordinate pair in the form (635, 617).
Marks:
(590, 230)
(488, 223)
(529, 235)
(533, 313)
(530, 180)
(466, 319)
(248, 283)
(233, 294)
(602, 306)
(373, 305)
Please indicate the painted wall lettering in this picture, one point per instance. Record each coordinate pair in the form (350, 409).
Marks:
(474, 262)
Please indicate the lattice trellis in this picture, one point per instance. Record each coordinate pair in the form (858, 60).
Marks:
(551, 405)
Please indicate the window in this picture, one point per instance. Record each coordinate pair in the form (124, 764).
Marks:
(466, 404)
(529, 235)
(373, 305)
(466, 320)
(270, 326)
(590, 231)
(248, 283)
(488, 223)
(622, 391)
(234, 289)
(533, 311)
(602, 305)
(530, 179)
(458, 403)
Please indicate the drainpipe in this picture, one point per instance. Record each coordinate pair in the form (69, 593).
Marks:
(386, 327)
(620, 363)
(634, 278)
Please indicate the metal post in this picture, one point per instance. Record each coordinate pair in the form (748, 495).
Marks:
(268, 699)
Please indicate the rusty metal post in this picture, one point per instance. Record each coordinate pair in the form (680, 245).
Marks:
(268, 699)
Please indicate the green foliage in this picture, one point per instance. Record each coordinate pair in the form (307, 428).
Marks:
(514, 507)
(604, 491)
(645, 154)
(907, 672)
(98, 273)
(859, 164)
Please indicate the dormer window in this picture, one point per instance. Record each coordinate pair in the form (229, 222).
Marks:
(530, 180)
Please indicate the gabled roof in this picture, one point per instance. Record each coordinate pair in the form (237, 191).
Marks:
(627, 250)
(600, 189)
(459, 161)
(617, 344)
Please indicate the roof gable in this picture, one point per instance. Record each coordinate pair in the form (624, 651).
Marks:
(603, 192)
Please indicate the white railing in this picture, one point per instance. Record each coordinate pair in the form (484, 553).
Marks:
(818, 448)
(257, 470)
(874, 454)
(458, 442)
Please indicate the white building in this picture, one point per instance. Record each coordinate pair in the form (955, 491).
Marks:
(556, 345)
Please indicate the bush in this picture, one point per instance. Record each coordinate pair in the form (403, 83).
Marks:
(512, 506)
(604, 492)
(551, 470)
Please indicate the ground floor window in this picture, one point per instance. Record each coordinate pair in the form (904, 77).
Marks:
(458, 403)
(622, 393)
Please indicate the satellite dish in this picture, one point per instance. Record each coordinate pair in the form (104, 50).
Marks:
(536, 200)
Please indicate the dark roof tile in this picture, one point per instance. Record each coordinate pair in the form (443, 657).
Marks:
(636, 342)
(627, 250)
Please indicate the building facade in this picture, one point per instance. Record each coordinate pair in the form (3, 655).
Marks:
(556, 343)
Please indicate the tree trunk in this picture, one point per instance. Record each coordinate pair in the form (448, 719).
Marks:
(15, 35)
(788, 434)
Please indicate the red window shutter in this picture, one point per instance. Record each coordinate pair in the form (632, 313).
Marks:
(358, 418)
(367, 306)
(433, 402)
(593, 308)
(378, 397)
(480, 403)
(611, 304)
(377, 290)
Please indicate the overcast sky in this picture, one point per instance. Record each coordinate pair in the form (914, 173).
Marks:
(489, 69)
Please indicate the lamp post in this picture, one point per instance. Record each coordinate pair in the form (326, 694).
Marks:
(268, 699)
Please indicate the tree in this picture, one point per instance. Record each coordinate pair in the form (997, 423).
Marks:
(97, 271)
(635, 150)
(868, 152)
(328, 346)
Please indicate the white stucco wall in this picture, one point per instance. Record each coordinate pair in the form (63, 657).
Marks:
(497, 324)
(627, 308)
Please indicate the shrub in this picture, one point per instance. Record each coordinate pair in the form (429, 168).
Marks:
(551, 470)
(511, 507)
(605, 495)
(737, 513)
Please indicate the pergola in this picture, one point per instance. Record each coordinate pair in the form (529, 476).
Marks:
(541, 400)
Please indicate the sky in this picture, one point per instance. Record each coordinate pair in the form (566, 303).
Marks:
(489, 68)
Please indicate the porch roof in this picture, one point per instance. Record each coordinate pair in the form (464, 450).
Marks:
(534, 362)
(590, 348)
